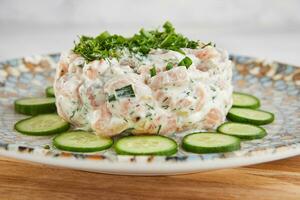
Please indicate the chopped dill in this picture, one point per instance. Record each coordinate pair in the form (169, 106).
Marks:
(159, 128)
(106, 45)
(149, 106)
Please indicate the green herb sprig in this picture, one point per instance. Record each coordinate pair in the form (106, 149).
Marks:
(153, 71)
(185, 62)
(169, 66)
(109, 46)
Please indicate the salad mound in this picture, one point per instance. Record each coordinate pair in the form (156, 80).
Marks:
(155, 82)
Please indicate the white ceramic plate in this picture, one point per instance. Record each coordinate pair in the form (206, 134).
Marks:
(276, 84)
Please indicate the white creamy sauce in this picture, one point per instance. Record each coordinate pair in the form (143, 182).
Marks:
(178, 99)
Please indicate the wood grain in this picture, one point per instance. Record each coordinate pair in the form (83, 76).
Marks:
(274, 180)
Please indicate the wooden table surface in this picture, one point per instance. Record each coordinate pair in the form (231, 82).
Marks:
(274, 180)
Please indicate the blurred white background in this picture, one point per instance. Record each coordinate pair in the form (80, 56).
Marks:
(263, 28)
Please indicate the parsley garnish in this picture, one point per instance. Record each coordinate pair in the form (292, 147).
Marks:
(153, 71)
(185, 62)
(106, 45)
(111, 98)
(169, 66)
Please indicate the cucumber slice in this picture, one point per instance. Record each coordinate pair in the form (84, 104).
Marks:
(247, 115)
(81, 141)
(35, 106)
(49, 92)
(242, 131)
(146, 145)
(40, 125)
(210, 143)
(243, 100)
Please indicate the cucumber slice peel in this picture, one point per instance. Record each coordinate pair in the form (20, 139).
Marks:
(35, 106)
(49, 92)
(208, 142)
(251, 116)
(42, 125)
(81, 141)
(243, 100)
(146, 145)
(242, 131)
(34, 101)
